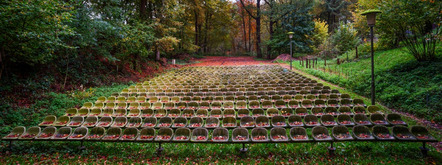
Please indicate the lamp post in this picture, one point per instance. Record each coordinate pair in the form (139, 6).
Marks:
(371, 21)
(291, 52)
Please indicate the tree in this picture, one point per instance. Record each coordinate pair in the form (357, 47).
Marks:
(258, 25)
(32, 32)
(345, 37)
(320, 34)
(297, 19)
(416, 23)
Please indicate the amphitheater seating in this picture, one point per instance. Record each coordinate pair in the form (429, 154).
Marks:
(225, 104)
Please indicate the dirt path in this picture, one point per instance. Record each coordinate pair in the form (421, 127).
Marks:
(224, 60)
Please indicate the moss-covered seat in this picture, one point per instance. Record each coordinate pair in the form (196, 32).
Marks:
(229, 122)
(149, 122)
(62, 121)
(259, 134)
(129, 134)
(243, 113)
(378, 119)
(361, 119)
(90, 121)
(188, 113)
(79, 133)
(278, 121)
(359, 110)
(71, 112)
(254, 105)
(113, 133)
(345, 120)
(345, 110)
(220, 135)
(181, 134)
(216, 113)
(240, 135)
(62, 133)
(47, 133)
(146, 134)
(341, 133)
(421, 133)
(229, 113)
(15, 133)
(134, 122)
(333, 103)
(134, 113)
(147, 113)
(164, 122)
(76, 121)
(301, 111)
(216, 105)
(320, 133)
(200, 135)
(395, 119)
(48, 120)
(328, 121)
(258, 112)
(160, 113)
(247, 122)
(402, 133)
(272, 112)
(361, 132)
(381, 132)
(299, 134)
(293, 104)
(359, 102)
(96, 133)
(212, 122)
(119, 122)
(278, 134)
(203, 113)
(311, 121)
(331, 111)
(372, 109)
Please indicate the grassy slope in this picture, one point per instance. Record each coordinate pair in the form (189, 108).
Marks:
(401, 82)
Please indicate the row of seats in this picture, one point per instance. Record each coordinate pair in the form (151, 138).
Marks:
(226, 120)
(276, 134)
(240, 112)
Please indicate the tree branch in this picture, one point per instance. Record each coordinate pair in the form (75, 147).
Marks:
(244, 6)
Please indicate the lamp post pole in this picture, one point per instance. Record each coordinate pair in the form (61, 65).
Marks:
(291, 53)
(371, 21)
(372, 67)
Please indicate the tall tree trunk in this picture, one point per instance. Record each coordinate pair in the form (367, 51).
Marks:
(143, 5)
(2, 62)
(244, 31)
(258, 29)
(157, 54)
(269, 48)
(250, 34)
(206, 31)
(196, 28)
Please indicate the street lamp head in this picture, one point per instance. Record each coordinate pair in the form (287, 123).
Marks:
(371, 16)
(290, 34)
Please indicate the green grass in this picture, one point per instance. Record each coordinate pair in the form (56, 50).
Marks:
(101, 152)
(401, 82)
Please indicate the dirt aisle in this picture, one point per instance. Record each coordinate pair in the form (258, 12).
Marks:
(223, 60)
